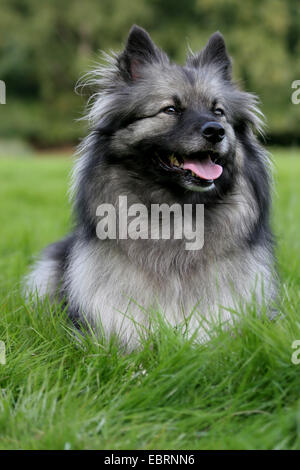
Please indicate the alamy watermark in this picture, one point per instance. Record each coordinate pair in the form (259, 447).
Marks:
(296, 354)
(2, 92)
(158, 222)
(2, 353)
(295, 97)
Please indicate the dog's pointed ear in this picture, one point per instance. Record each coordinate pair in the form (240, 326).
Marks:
(215, 53)
(139, 50)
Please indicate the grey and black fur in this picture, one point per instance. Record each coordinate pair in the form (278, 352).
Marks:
(146, 108)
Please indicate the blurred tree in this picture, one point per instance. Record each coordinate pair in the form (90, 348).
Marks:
(46, 46)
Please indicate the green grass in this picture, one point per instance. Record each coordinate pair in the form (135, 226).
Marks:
(239, 391)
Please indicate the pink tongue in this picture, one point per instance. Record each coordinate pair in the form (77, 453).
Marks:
(205, 169)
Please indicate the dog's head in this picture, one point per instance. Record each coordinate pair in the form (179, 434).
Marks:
(175, 126)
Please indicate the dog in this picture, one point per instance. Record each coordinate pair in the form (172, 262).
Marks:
(161, 133)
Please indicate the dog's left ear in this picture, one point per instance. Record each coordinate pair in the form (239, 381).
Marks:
(213, 53)
(139, 51)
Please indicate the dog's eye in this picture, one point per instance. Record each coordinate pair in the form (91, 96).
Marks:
(170, 110)
(219, 112)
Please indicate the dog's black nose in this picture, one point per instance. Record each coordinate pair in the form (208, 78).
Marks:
(213, 131)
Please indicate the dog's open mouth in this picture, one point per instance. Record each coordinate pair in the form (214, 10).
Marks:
(201, 169)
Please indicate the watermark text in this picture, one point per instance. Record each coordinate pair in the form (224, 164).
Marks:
(2, 92)
(2, 353)
(158, 222)
(295, 97)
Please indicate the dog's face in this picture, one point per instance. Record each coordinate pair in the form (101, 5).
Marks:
(176, 126)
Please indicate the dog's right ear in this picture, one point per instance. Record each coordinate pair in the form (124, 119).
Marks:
(139, 51)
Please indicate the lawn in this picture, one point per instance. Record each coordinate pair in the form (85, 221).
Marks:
(239, 391)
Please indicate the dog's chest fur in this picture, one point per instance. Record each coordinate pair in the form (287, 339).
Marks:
(119, 293)
(118, 283)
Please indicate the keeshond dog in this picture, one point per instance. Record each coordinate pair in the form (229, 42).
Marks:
(162, 133)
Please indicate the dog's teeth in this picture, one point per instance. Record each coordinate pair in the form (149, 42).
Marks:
(174, 161)
(194, 174)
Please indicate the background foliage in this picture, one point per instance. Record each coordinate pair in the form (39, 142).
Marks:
(46, 46)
